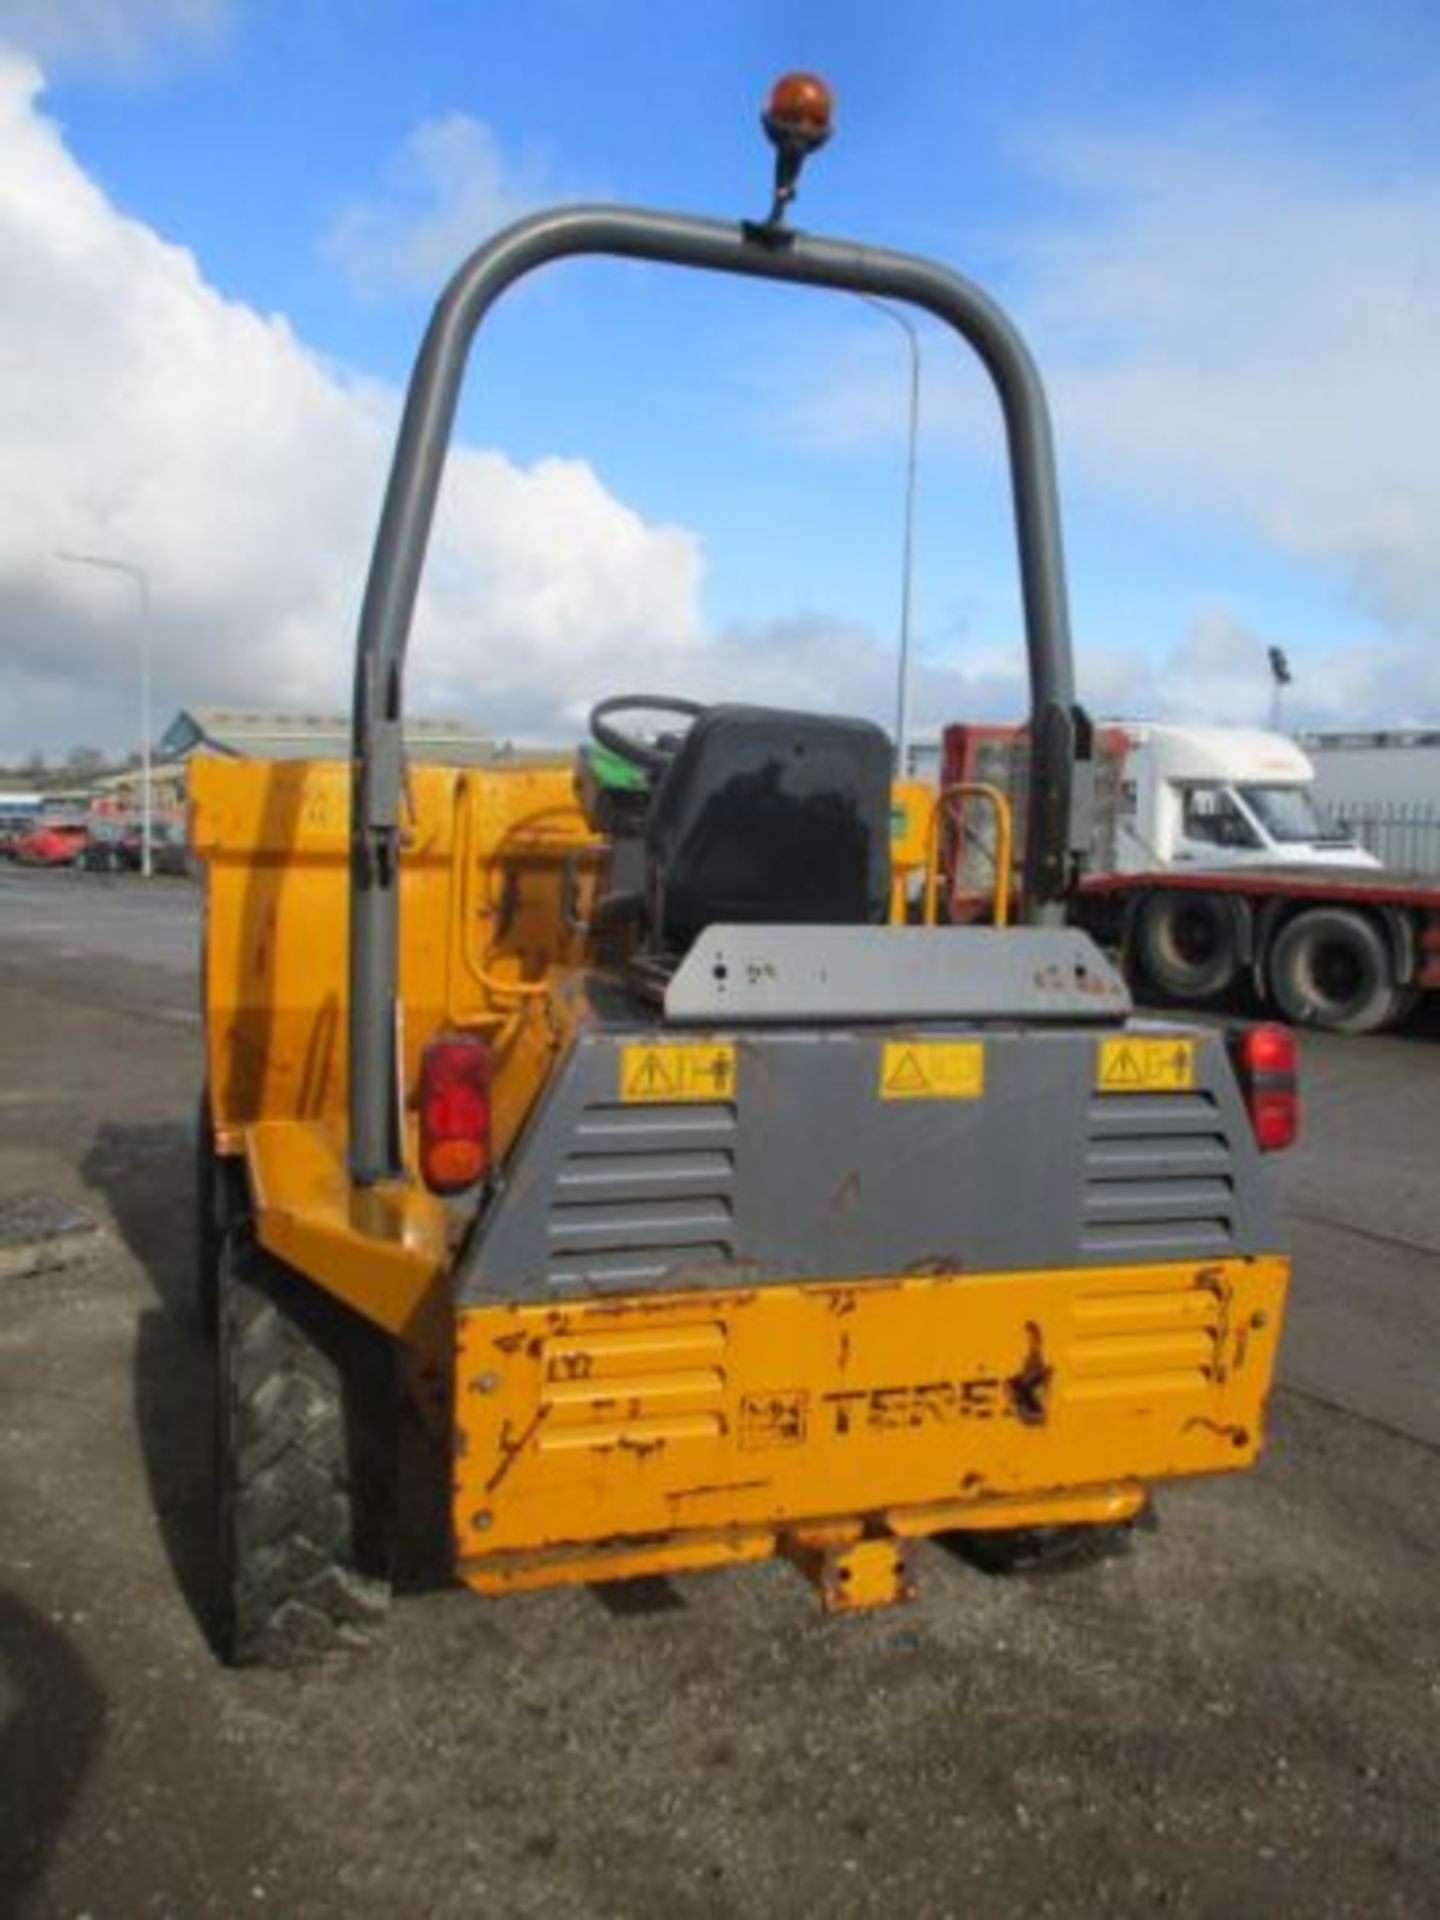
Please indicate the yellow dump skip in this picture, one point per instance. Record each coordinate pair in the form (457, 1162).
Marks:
(653, 1432)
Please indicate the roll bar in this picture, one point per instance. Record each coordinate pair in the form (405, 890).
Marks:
(766, 252)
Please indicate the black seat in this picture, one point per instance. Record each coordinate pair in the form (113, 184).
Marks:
(771, 817)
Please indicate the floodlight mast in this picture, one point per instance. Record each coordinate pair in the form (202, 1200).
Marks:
(758, 250)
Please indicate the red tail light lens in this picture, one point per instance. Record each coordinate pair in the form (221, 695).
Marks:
(1265, 1064)
(454, 1113)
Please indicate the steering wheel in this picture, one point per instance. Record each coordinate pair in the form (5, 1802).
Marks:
(650, 757)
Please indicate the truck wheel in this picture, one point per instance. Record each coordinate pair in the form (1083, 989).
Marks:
(1188, 944)
(1332, 968)
(222, 1201)
(304, 1465)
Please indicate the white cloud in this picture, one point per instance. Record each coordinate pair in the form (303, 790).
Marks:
(109, 35)
(848, 391)
(1215, 671)
(144, 416)
(1256, 334)
(1241, 339)
(1252, 336)
(448, 188)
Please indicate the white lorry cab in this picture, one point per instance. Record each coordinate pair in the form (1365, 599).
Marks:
(1205, 865)
(1207, 797)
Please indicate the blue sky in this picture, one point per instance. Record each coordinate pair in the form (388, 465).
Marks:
(1217, 226)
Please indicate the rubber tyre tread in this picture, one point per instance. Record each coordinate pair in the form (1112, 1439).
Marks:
(305, 1465)
(1376, 1004)
(1166, 967)
(222, 1201)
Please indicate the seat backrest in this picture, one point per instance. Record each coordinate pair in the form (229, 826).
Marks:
(766, 816)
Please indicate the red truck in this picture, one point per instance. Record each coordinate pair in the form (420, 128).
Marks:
(1203, 864)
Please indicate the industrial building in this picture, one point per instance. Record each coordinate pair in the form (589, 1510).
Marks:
(1385, 787)
(244, 734)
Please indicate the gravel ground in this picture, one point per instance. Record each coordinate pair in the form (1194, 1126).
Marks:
(1241, 1716)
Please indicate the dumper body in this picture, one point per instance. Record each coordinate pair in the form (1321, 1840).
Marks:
(763, 1264)
(631, 1116)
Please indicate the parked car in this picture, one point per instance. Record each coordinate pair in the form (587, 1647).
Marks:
(169, 848)
(113, 847)
(12, 831)
(59, 843)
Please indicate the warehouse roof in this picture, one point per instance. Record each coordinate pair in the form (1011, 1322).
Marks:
(1349, 737)
(241, 733)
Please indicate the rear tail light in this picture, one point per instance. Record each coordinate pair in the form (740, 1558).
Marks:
(1265, 1065)
(454, 1113)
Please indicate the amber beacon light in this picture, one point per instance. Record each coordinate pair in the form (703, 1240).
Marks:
(797, 118)
(800, 108)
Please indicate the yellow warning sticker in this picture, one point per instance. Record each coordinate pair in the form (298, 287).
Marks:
(686, 1071)
(932, 1070)
(1149, 1065)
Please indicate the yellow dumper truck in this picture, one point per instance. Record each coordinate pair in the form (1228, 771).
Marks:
(627, 1114)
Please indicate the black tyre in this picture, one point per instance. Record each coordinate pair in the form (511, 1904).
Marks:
(1332, 968)
(304, 1466)
(1010, 1552)
(222, 1201)
(1188, 944)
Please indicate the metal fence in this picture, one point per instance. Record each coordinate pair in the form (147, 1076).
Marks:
(1403, 834)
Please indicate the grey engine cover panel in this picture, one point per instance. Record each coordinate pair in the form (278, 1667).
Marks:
(806, 1171)
(775, 973)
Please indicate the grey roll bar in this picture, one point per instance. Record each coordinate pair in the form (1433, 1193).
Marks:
(764, 252)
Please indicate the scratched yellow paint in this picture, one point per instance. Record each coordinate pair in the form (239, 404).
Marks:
(689, 1427)
(273, 839)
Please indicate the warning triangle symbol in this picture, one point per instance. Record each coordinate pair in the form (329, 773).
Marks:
(1123, 1068)
(651, 1076)
(907, 1075)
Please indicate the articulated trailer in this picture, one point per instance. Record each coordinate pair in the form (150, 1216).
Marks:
(1185, 878)
(1348, 951)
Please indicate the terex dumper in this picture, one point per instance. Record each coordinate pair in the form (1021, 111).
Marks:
(705, 1205)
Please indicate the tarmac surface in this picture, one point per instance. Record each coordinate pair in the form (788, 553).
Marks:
(1241, 1716)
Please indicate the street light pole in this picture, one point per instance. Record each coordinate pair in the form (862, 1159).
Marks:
(107, 564)
(1280, 678)
(907, 558)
